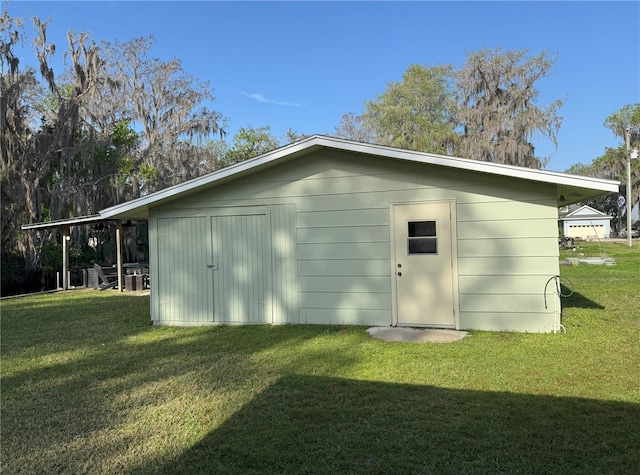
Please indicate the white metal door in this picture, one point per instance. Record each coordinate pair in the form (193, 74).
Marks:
(423, 270)
(241, 269)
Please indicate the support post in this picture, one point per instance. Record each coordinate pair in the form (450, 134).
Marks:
(66, 237)
(629, 198)
(119, 255)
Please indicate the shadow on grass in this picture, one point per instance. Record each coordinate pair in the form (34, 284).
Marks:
(307, 424)
(577, 300)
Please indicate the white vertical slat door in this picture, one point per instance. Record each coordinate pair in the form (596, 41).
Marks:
(184, 281)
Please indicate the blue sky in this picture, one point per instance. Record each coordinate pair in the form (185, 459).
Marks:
(302, 65)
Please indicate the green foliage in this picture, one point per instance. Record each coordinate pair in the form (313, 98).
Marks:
(82, 256)
(579, 169)
(105, 158)
(249, 142)
(626, 121)
(635, 115)
(414, 114)
(486, 110)
(148, 173)
(603, 167)
(12, 273)
(123, 135)
(45, 213)
(613, 164)
(217, 151)
(126, 169)
(49, 104)
(51, 256)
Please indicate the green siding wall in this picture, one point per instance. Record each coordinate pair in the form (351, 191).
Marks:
(284, 296)
(329, 222)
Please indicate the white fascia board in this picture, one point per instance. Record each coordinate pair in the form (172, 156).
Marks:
(63, 222)
(315, 142)
(545, 176)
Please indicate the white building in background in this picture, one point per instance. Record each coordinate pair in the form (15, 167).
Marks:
(585, 222)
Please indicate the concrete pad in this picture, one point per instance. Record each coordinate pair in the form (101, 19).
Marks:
(414, 335)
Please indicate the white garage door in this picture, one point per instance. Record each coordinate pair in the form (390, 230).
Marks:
(586, 230)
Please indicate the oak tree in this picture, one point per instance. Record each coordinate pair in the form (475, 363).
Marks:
(413, 113)
(496, 110)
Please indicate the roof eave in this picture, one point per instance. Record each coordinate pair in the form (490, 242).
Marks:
(570, 188)
(139, 208)
(63, 222)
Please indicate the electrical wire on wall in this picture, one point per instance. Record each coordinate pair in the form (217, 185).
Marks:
(558, 279)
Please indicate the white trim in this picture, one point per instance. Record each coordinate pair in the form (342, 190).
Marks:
(595, 212)
(571, 188)
(392, 264)
(453, 210)
(318, 141)
(63, 222)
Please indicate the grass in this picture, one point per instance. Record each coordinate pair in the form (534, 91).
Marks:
(89, 387)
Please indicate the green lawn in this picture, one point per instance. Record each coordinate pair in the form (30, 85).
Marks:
(88, 386)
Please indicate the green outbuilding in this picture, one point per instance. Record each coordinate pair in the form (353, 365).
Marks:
(330, 231)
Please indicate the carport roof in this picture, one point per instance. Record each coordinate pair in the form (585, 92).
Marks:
(569, 188)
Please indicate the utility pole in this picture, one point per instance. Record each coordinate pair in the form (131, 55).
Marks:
(630, 154)
(627, 139)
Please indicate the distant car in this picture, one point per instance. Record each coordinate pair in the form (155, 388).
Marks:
(634, 233)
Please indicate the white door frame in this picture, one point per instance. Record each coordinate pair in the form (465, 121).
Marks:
(454, 259)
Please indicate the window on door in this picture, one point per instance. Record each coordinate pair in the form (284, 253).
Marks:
(422, 238)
